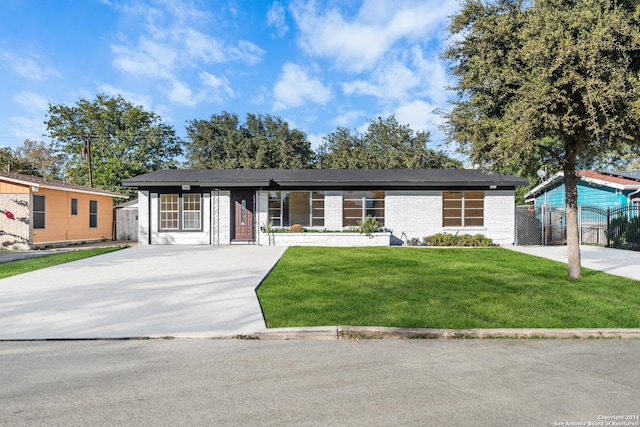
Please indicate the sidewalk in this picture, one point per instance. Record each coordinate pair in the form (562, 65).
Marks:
(6, 256)
(612, 261)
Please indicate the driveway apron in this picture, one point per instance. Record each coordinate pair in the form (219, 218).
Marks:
(613, 261)
(144, 291)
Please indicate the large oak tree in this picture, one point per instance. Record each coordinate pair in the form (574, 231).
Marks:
(385, 144)
(558, 77)
(261, 142)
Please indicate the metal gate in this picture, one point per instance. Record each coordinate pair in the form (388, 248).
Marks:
(611, 227)
(545, 225)
(623, 227)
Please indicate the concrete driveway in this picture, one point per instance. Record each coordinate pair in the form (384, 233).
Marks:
(143, 291)
(612, 261)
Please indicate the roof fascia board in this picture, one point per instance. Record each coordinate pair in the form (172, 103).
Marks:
(76, 190)
(615, 185)
(543, 185)
(19, 181)
(55, 187)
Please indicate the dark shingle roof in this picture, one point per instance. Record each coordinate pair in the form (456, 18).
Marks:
(325, 178)
(53, 183)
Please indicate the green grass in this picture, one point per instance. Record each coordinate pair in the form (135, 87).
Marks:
(441, 288)
(12, 268)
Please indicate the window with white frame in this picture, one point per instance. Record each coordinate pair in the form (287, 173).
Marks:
(191, 212)
(357, 205)
(287, 208)
(181, 212)
(462, 208)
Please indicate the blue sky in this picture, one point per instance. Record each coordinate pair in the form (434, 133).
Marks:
(318, 65)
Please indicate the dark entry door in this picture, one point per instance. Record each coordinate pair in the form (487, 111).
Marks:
(243, 215)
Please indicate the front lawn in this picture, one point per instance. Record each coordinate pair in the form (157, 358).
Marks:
(12, 268)
(441, 288)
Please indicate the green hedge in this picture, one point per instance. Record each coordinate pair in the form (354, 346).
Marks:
(445, 239)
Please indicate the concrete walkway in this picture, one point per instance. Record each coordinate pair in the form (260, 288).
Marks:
(613, 261)
(143, 291)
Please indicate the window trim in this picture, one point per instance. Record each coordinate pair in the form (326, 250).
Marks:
(93, 215)
(363, 199)
(463, 210)
(43, 212)
(316, 217)
(181, 213)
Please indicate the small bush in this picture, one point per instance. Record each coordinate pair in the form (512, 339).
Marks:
(296, 228)
(414, 241)
(368, 225)
(445, 239)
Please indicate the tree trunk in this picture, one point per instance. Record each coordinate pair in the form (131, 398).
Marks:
(571, 199)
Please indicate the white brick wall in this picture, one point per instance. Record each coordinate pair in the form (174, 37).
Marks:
(413, 214)
(333, 210)
(416, 214)
(221, 217)
(143, 217)
(500, 216)
(185, 237)
(325, 239)
(408, 214)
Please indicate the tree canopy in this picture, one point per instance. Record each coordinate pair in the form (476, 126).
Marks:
(385, 144)
(261, 142)
(124, 140)
(555, 78)
(32, 158)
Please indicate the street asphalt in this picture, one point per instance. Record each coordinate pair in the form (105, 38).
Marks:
(320, 383)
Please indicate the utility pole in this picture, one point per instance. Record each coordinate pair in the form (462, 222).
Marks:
(86, 152)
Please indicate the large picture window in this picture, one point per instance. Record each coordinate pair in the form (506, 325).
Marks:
(463, 208)
(38, 211)
(287, 208)
(181, 212)
(357, 205)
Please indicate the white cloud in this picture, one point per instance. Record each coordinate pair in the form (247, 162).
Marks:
(347, 118)
(135, 98)
(315, 140)
(246, 52)
(148, 58)
(390, 81)
(276, 18)
(295, 87)
(420, 116)
(32, 101)
(28, 127)
(356, 43)
(181, 94)
(29, 68)
(216, 88)
(433, 76)
(175, 42)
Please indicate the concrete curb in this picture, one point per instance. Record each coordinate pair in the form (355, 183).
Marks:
(367, 332)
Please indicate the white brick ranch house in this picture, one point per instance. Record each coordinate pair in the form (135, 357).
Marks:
(220, 207)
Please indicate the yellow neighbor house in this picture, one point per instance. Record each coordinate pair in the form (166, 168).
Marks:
(37, 211)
